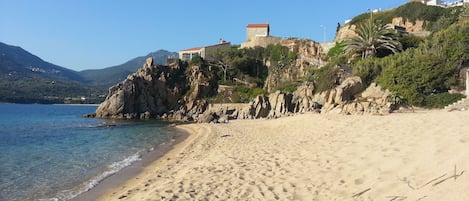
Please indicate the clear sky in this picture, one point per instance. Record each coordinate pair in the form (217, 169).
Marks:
(92, 34)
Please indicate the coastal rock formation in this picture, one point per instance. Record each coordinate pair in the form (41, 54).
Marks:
(303, 99)
(202, 83)
(416, 28)
(151, 91)
(281, 104)
(374, 100)
(160, 92)
(347, 98)
(309, 55)
(342, 93)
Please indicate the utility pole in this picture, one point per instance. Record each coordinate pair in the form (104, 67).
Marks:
(371, 14)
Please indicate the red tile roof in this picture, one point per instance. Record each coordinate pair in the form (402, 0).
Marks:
(192, 49)
(258, 25)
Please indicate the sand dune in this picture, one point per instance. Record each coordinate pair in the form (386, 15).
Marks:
(411, 156)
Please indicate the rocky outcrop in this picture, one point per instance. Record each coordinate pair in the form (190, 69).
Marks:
(417, 28)
(374, 100)
(345, 32)
(342, 93)
(347, 98)
(303, 99)
(151, 91)
(309, 55)
(160, 92)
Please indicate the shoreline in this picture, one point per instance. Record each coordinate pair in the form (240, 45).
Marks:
(312, 157)
(133, 170)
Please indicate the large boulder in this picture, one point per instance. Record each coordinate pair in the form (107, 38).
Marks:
(280, 103)
(259, 107)
(341, 94)
(151, 91)
(303, 99)
(374, 100)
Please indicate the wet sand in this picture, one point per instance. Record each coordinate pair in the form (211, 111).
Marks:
(133, 170)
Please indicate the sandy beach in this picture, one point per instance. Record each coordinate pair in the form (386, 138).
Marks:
(403, 156)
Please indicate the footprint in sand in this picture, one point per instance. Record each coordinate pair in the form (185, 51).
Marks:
(358, 181)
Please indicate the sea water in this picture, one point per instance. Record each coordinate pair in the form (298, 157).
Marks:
(49, 152)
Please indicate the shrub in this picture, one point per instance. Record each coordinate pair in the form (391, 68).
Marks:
(441, 100)
(428, 69)
(244, 94)
(287, 86)
(324, 78)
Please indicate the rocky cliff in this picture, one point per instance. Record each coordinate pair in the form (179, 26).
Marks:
(180, 92)
(347, 98)
(416, 28)
(175, 91)
(309, 55)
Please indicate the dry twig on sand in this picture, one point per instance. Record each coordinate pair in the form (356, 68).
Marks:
(455, 176)
(361, 193)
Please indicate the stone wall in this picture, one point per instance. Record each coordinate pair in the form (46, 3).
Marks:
(253, 32)
(261, 41)
(209, 50)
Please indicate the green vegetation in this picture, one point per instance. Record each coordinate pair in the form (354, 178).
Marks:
(436, 17)
(239, 94)
(248, 64)
(47, 91)
(324, 78)
(423, 74)
(373, 39)
(441, 100)
(243, 94)
(287, 86)
(246, 70)
(244, 64)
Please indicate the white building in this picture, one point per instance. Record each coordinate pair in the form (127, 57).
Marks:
(433, 2)
(203, 52)
(444, 4)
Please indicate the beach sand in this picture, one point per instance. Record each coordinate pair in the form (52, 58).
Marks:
(402, 156)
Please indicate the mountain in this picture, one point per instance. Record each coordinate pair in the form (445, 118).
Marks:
(112, 75)
(26, 78)
(16, 60)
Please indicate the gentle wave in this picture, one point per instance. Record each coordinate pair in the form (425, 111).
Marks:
(88, 185)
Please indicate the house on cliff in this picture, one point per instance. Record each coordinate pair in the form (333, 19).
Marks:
(204, 52)
(259, 35)
(442, 3)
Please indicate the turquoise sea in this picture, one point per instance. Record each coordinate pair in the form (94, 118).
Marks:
(49, 152)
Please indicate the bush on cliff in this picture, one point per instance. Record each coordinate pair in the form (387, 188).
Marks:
(435, 17)
(420, 74)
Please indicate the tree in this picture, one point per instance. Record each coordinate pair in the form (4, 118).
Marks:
(373, 38)
(464, 15)
(220, 60)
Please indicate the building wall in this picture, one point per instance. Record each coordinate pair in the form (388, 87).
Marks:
(434, 3)
(204, 52)
(188, 54)
(261, 41)
(209, 50)
(252, 32)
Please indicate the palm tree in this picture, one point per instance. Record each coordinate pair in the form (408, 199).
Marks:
(372, 38)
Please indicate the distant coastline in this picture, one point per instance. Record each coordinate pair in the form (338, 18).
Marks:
(75, 104)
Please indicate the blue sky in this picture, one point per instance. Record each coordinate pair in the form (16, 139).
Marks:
(92, 34)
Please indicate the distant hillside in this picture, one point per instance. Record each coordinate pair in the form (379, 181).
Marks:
(109, 76)
(26, 78)
(15, 60)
